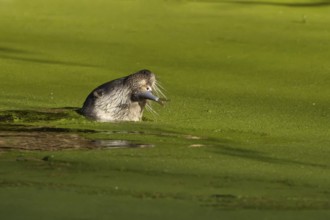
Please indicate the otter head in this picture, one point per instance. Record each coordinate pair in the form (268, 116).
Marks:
(142, 85)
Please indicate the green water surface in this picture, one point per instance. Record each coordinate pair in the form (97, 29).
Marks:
(245, 136)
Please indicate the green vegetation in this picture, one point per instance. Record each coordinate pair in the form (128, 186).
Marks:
(245, 135)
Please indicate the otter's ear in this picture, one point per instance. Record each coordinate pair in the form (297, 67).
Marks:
(98, 93)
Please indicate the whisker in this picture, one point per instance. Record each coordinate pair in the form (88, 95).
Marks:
(158, 89)
(153, 114)
(159, 84)
(151, 110)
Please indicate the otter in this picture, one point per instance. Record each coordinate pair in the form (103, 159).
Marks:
(123, 99)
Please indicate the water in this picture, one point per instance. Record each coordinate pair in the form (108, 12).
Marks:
(17, 133)
(247, 128)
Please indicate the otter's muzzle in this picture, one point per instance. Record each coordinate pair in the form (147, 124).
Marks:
(147, 95)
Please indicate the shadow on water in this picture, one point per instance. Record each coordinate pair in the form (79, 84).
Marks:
(15, 134)
(9, 50)
(259, 156)
(25, 56)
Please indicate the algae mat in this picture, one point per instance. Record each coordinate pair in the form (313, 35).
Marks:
(245, 135)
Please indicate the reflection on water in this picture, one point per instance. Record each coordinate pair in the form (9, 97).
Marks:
(15, 134)
(40, 141)
(21, 137)
(51, 141)
(119, 144)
